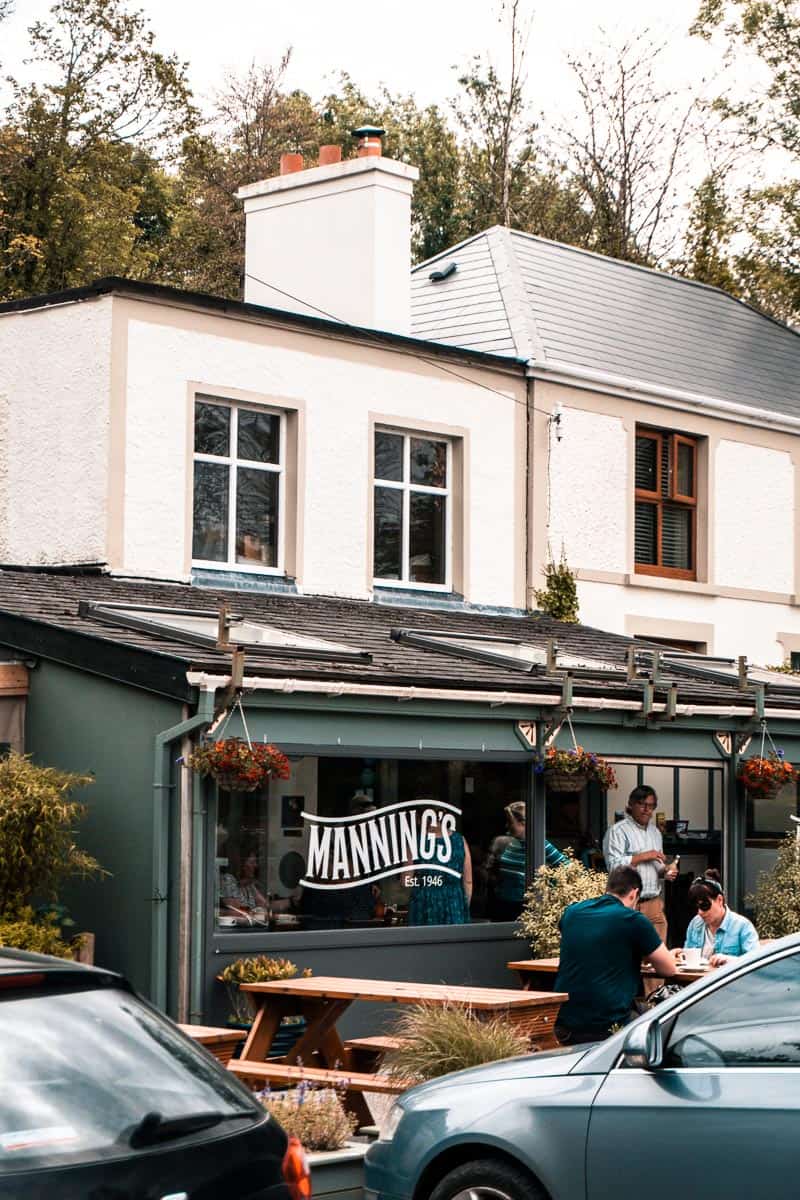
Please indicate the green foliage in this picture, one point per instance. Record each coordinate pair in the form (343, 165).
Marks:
(259, 968)
(37, 820)
(707, 255)
(439, 1040)
(40, 935)
(559, 597)
(314, 1115)
(553, 888)
(776, 901)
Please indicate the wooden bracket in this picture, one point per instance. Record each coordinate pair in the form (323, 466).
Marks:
(672, 703)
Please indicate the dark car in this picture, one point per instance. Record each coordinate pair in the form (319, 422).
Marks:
(698, 1099)
(103, 1098)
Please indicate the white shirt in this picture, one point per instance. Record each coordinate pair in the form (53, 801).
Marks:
(627, 838)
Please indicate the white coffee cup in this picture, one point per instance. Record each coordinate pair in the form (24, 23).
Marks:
(691, 958)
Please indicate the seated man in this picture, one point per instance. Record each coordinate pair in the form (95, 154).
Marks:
(603, 943)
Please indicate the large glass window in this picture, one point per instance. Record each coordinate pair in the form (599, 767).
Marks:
(238, 479)
(666, 504)
(412, 510)
(477, 830)
(752, 1022)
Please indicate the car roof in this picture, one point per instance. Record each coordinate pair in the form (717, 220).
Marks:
(14, 962)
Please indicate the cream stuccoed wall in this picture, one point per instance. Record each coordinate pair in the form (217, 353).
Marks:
(744, 599)
(342, 388)
(55, 378)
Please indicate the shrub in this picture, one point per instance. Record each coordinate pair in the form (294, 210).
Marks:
(37, 820)
(315, 1115)
(23, 931)
(776, 900)
(260, 968)
(440, 1040)
(559, 597)
(553, 888)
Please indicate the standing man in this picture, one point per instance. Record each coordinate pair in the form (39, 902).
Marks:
(636, 842)
(603, 942)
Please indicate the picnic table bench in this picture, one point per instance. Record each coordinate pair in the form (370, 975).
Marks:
(221, 1041)
(529, 968)
(322, 1000)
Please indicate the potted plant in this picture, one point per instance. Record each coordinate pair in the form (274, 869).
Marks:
(765, 776)
(317, 1117)
(239, 765)
(261, 968)
(434, 1041)
(570, 770)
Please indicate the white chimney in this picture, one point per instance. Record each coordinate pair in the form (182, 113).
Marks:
(333, 240)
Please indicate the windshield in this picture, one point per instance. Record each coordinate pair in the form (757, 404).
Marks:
(81, 1069)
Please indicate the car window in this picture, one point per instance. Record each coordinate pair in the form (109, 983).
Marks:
(80, 1069)
(753, 1021)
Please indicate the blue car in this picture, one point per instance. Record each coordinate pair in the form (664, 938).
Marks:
(696, 1099)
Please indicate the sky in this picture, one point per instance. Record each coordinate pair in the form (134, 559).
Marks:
(410, 45)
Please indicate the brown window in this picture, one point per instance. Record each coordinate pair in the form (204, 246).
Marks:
(666, 504)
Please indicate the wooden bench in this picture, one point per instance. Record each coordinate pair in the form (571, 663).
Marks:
(365, 1054)
(351, 1081)
(221, 1042)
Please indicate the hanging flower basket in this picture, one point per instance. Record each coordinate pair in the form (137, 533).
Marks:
(764, 777)
(238, 765)
(571, 770)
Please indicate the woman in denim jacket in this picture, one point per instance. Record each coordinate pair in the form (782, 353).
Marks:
(718, 932)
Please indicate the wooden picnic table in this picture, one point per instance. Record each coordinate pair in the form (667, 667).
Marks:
(323, 1000)
(528, 968)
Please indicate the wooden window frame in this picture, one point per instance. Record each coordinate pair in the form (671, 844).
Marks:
(672, 496)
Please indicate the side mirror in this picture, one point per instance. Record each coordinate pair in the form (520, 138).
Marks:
(643, 1047)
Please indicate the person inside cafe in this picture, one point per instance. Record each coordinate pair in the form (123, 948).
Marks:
(506, 865)
(603, 944)
(636, 842)
(717, 931)
(239, 890)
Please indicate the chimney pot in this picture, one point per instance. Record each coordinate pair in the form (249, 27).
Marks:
(329, 154)
(369, 140)
(291, 163)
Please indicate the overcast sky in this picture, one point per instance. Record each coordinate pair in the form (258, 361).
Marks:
(410, 45)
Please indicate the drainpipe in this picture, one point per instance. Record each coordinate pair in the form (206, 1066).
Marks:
(159, 929)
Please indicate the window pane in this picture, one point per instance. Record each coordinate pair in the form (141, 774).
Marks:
(685, 470)
(212, 424)
(388, 456)
(752, 1022)
(676, 537)
(257, 517)
(210, 536)
(646, 541)
(429, 462)
(646, 463)
(259, 436)
(427, 538)
(388, 549)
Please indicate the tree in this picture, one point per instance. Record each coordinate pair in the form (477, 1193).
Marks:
(76, 154)
(707, 251)
(628, 150)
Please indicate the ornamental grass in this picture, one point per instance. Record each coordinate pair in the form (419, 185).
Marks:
(436, 1041)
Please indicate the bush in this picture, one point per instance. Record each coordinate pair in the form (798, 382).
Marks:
(441, 1040)
(314, 1115)
(559, 597)
(37, 820)
(260, 968)
(23, 931)
(553, 888)
(776, 900)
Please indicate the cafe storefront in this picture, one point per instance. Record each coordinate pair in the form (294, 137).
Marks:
(378, 709)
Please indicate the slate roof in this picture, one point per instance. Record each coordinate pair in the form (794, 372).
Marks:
(39, 615)
(521, 295)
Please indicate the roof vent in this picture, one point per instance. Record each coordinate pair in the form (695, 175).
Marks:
(443, 272)
(369, 143)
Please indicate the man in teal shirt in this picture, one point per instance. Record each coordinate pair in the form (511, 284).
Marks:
(603, 943)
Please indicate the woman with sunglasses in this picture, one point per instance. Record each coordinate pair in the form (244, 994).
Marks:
(716, 931)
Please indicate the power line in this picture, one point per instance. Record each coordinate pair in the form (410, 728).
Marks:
(376, 341)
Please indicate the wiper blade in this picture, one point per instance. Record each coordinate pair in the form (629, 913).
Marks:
(154, 1127)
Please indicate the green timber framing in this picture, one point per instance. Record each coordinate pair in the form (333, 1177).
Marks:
(129, 710)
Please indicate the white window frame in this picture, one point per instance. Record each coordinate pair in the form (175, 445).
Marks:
(233, 462)
(407, 487)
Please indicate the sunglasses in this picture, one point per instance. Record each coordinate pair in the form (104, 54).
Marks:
(703, 905)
